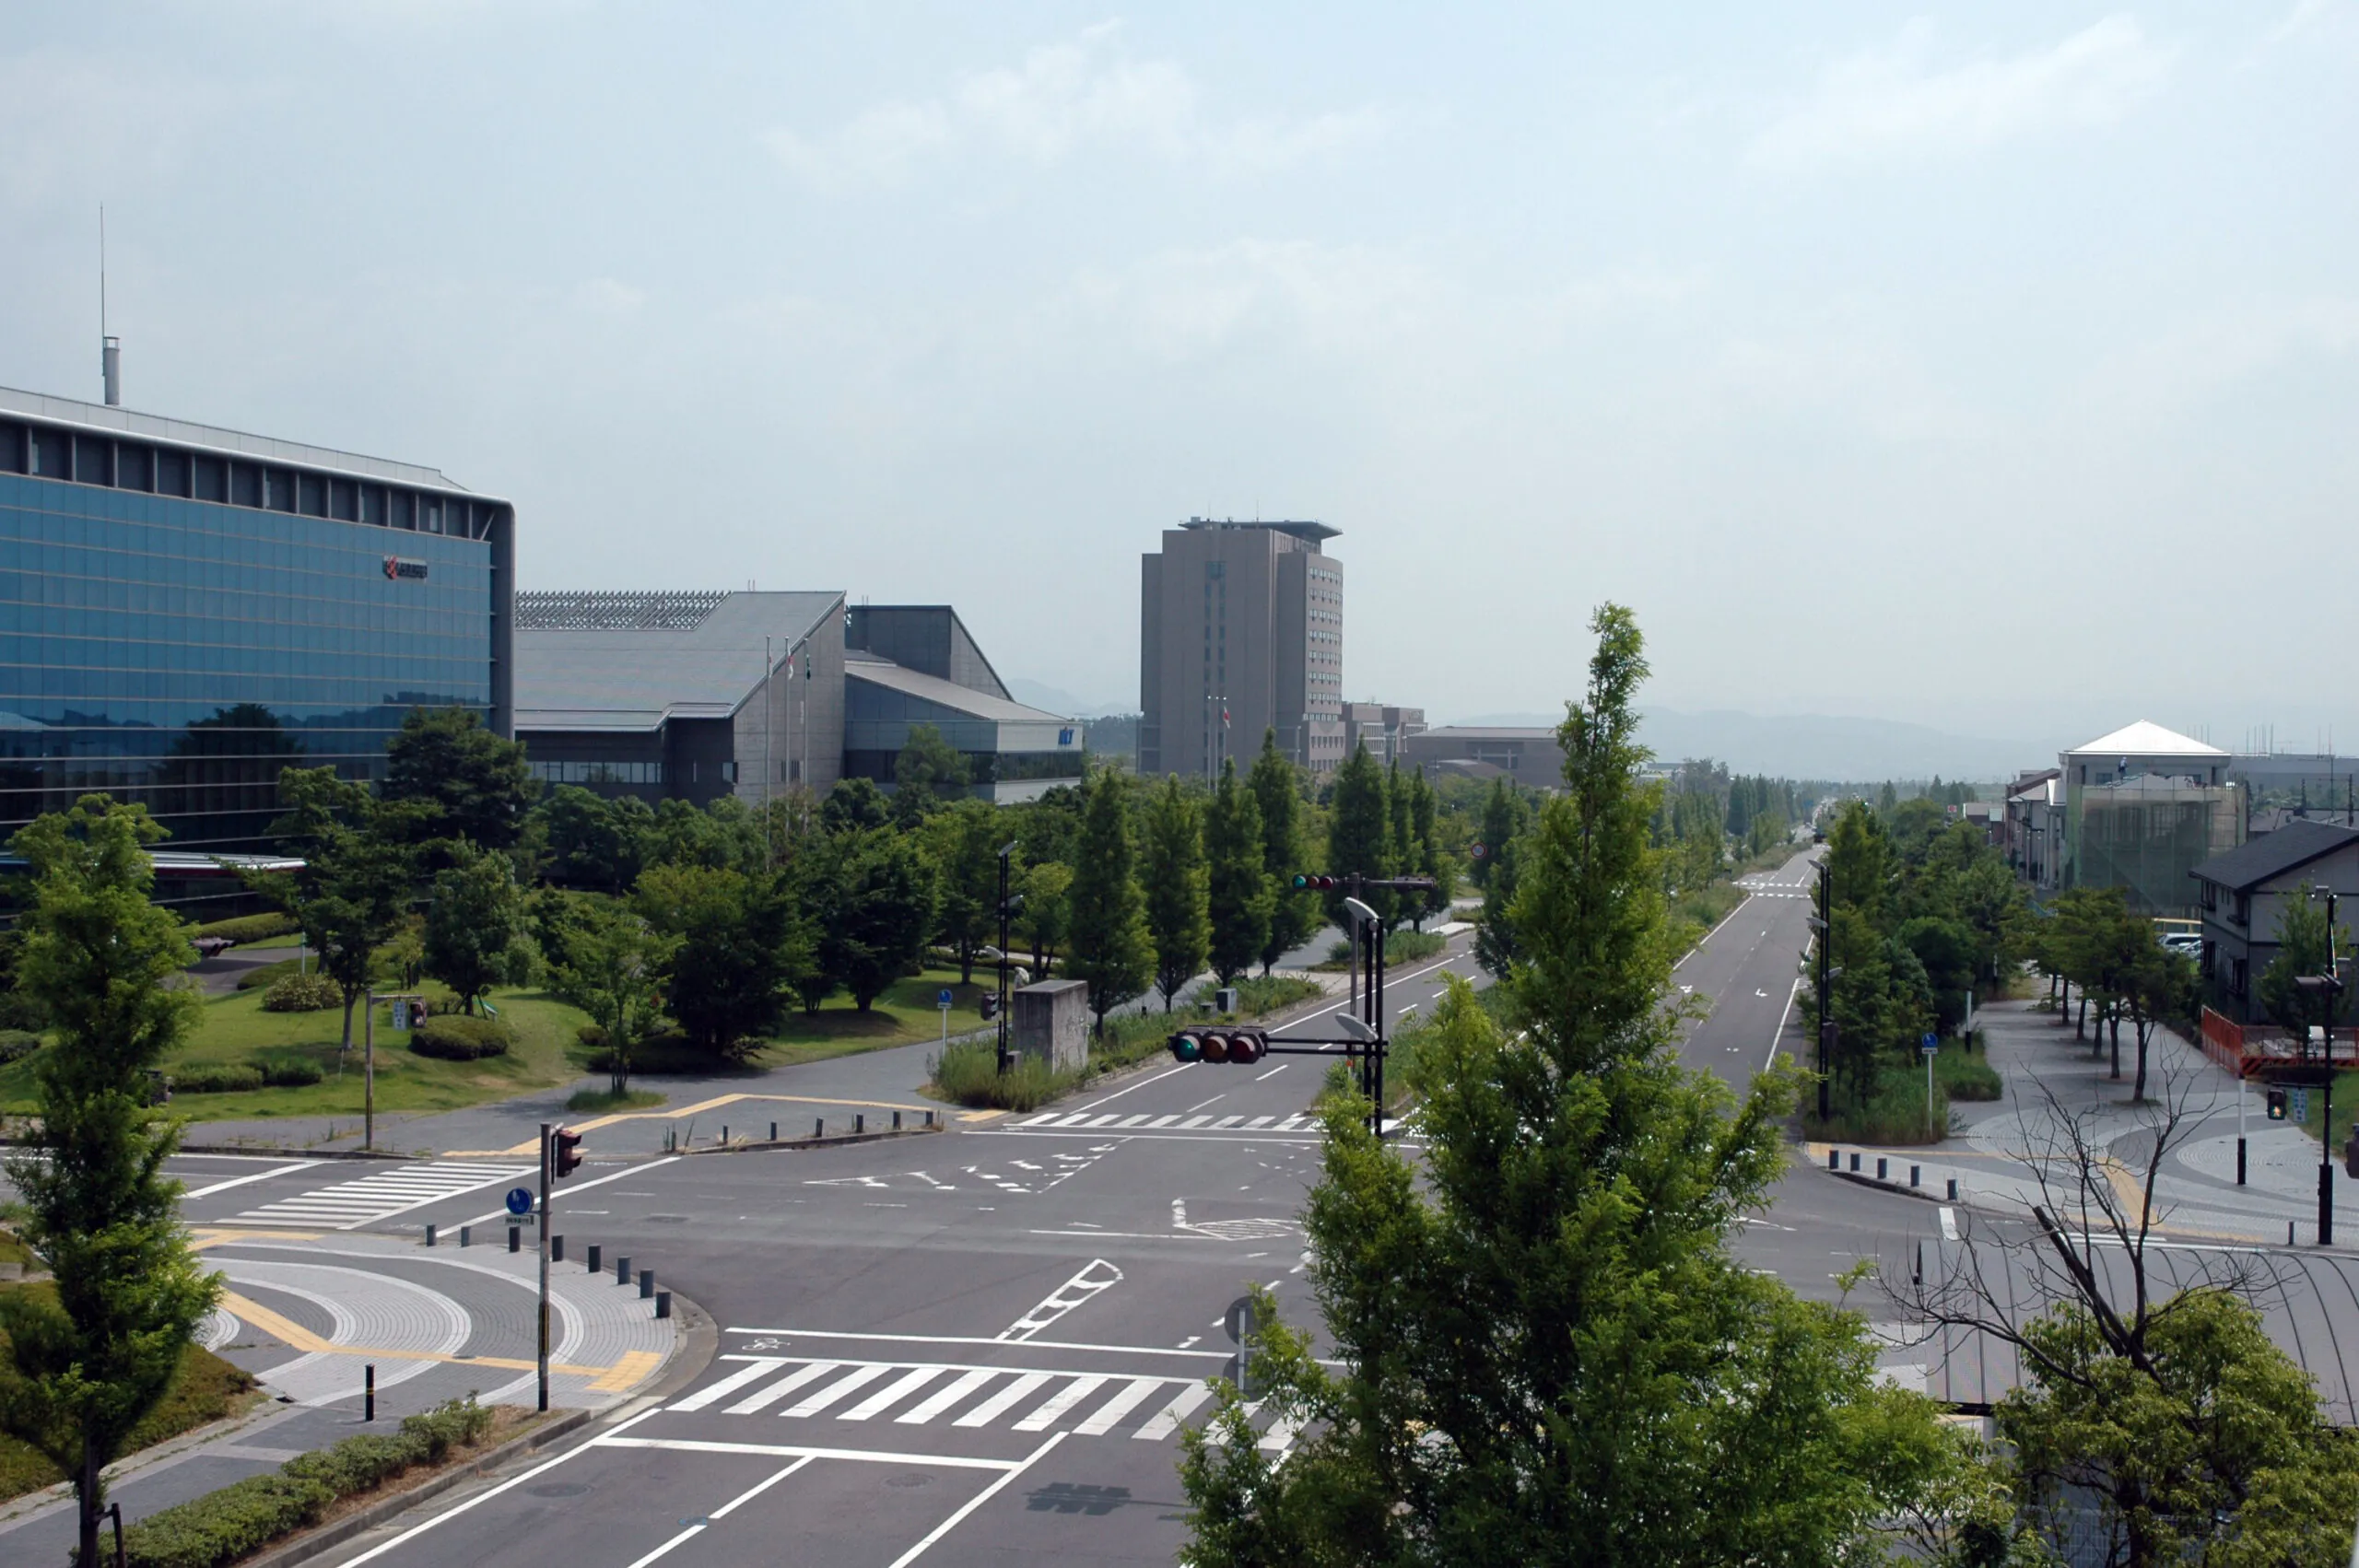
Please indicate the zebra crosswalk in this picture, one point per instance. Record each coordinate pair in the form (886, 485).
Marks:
(1145, 1121)
(1149, 1407)
(350, 1204)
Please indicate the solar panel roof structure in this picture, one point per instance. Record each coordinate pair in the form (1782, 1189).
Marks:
(630, 661)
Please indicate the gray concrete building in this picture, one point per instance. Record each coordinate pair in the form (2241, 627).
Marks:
(1240, 630)
(2246, 894)
(1530, 757)
(1382, 729)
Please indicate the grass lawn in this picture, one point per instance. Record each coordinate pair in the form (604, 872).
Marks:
(906, 1015)
(2346, 1111)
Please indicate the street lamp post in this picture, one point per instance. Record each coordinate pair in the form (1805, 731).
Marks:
(2329, 985)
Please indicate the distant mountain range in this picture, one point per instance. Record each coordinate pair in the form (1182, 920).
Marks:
(1062, 702)
(1811, 745)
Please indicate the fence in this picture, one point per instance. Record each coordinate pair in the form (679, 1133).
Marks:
(2246, 1049)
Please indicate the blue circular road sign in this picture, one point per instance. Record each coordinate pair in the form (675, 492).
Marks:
(943, 999)
(520, 1199)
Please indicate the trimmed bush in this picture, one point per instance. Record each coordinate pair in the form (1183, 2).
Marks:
(301, 994)
(455, 1038)
(16, 1045)
(249, 928)
(592, 1034)
(216, 1078)
(293, 1073)
(244, 1516)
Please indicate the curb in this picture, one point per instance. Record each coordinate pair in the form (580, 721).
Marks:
(833, 1139)
(280, 1154)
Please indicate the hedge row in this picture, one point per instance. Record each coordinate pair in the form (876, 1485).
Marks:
(244, 1516)
(237, 1077)
(303, 993)
(454, 1037)
(249, 928)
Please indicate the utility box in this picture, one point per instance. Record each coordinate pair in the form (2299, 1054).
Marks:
(1224, 1000)
(1050, 1021)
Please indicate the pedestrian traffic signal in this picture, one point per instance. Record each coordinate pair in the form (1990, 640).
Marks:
(991, 1006)
(1243, 1047)
(1324, 884)
(565, 1157)
(2277, 1105)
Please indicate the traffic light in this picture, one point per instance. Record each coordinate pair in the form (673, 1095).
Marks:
(565, 1157)
(1243, 1047)
(2277, 1105)
(1324, 884)
(991, 1006)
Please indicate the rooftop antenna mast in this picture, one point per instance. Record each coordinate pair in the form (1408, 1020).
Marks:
(110, 348)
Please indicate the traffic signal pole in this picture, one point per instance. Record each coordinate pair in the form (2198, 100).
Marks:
(547, 1186)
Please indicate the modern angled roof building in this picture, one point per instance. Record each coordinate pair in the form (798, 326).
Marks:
(185, 610)
(697, 695)
(1240, 630)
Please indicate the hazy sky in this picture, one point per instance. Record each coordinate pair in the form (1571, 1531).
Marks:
(1994, 367)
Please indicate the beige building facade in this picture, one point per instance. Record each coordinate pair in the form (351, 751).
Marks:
(1240, 630)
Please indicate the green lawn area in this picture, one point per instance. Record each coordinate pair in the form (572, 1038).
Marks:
(2346, 1111)
(547, 1050)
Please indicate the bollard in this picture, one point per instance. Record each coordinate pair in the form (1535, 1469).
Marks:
(2289, 1232)
(646, 1283)
(896, 1121)
(860, 1122)
(592, 1264)
(662, 1304)
(1915, 1177)
(1953, 1189)
(369, 1392)
(622, 1270)
(1855, 1159)
(773, 1132)
(515, 1238)
(467, 1234)
(929, 1122)
(1835, 1159)
(557, 1249)
(1882, 1166)
(429, 1235)
(724, 1132)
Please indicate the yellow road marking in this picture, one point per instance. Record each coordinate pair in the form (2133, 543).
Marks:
(217, 1238)
(980, 1115)
(617, 1378)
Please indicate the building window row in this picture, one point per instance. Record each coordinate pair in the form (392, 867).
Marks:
(599, 772)
(46, 452)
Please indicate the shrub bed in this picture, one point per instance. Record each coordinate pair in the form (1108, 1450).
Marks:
(216, 1078)
(244, 1516)
(301, 994)
(249, 928)
(1260, 994)
(16, 1045)
(291, 1073)
(455, 1038)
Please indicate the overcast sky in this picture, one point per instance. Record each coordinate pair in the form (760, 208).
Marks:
(1995, 368)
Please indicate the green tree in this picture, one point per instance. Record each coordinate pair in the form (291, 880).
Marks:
(817, 882)
(738, 948)
(1494, 944)
(613, 970)
(2304, 950)
(88, 1358)
(854, 804)
(1046, 914)
(885, 911)
(353, 893)
(474, 924)
(591, 841)
(1286, 850)
(1109, 948)
(1547, 1352)
(1360, 834)
(964, 841)
(477, 785)
(1172, 875)
(928, 772)
(1503, 819)
(1432, 860)
(1240, 898)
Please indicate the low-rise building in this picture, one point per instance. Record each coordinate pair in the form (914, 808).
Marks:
(1382, 729)
(1530, 756)
(2141, 808)
(2244, 895)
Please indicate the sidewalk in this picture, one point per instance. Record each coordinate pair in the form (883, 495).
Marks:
(307, 1314)
(2196, 1189)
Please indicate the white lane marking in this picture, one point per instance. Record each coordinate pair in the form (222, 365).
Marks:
(1166, 1420)
(349, 1205)
(1131, 1120)
(1227, 1121)
(1394, 979)
(757, 1403)
(485, 1496)
(1007, 1399)
(1199, 1105)
(241, 1181)
(1164, 1121)
(1792, 992)
(1120, 1406)
(942, 1400)
(780, 1450)
(1093, 1277)
(893, 1393)
(724, 1510)
(1141, 1085)
(1195, 1121)
(1074, 1120)
(1949, 1225)
(761, 1368)
(1713, 932)
(976, 1502)
(1259, 1121)
(1074, 1394)
(858, 1378)
(1273, 1072)
(956, 1339)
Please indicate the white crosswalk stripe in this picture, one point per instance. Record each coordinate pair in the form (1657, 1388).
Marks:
(1093, 1404)
(351, 1204)
(1174, 1121)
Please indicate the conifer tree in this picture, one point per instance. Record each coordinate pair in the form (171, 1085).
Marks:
(1107, 944)
(1175, 886)
(1285, 851)
(1241, 897)
(1359, 833)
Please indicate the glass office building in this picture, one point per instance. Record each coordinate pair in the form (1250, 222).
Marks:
(186, 611)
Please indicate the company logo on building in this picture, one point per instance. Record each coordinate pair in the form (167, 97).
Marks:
(1065, 736)
(399, 566)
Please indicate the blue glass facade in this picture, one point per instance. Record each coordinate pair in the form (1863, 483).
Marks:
(180, 651)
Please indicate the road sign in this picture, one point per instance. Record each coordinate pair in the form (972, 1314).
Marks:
(2299, 1104)
(520, 1201)
(942, 998)
(1931, 1044)
(1477, 850)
